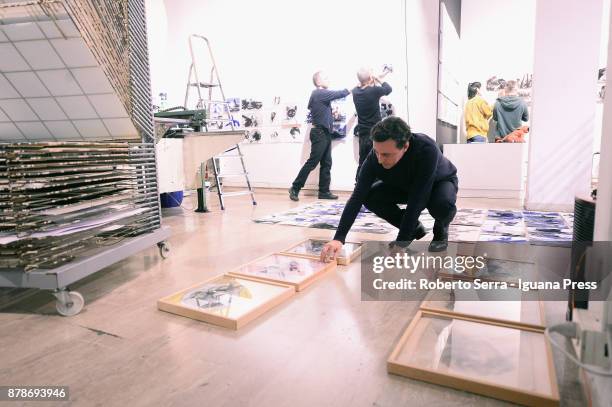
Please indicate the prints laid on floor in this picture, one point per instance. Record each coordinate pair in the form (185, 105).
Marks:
(469, 224)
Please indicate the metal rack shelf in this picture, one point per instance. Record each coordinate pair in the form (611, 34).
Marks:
(71, 302)
(115, 33)
(61, 277)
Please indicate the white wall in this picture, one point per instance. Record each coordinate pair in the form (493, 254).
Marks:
(563, 102)
(422, 24)
(603, 214)
(271, 48)
(497, 38)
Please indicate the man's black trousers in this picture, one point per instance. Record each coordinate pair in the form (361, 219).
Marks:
(365, 146)
(319, 153)
(383, 201)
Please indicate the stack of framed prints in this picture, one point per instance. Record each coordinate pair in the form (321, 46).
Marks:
(226, 300)
(504, 361)
(311, 249)
(298, 272)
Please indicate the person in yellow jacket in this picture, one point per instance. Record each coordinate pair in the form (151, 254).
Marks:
(477, 115)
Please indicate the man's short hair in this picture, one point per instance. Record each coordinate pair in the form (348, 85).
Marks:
(364, 75)
(316, 77)
(392, 128)
(510, 86)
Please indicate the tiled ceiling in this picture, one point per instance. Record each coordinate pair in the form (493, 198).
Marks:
(52, 87)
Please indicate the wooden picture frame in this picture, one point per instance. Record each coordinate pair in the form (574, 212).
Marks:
(298, 272)
(494, 272)
(345, 258)
(411, 358)
(219, 312)
(530, 312)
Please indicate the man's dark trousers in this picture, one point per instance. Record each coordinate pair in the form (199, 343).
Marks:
(365, 146)
(383, 200)
(320, 153)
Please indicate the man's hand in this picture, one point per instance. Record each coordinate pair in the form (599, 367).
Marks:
(330, 250)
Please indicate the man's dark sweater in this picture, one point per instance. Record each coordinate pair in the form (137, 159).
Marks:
(367, 105)
(415, 174)
(320, 106)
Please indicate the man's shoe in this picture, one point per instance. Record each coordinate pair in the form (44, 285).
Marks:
(293, 194)
(327, 195)
(440, 240)
(420, 231)
(438, 246)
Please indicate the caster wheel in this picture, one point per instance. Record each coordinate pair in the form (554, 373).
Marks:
(164, 249)
(72, 306)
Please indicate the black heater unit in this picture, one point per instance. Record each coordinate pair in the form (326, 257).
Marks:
(584, 225)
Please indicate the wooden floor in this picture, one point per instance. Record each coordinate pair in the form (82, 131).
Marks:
(324, 347)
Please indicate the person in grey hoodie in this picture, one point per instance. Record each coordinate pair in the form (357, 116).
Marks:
(509, 111)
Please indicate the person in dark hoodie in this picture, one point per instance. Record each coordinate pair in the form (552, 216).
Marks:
(509, 111)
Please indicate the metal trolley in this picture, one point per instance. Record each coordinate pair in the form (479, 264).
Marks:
(114, 32)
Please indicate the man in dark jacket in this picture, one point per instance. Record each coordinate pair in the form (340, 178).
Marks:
(402, 168)
(366, 97)
(509, 111)
(320, 137)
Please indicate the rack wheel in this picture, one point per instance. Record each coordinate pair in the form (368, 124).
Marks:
(69, 303)
(164, 249)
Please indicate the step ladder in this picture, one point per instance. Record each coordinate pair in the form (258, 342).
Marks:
(193, 81)
(209, 105)
(219, 176)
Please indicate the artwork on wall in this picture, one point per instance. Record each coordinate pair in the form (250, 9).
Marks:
(311, 249)
(339, 125)
(226, 301)
(601, 84)
(289, 270)
(263, 121)
(504, 362)
(515, 307)
(524, 85)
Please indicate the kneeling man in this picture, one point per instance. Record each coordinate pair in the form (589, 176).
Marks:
(403, 167)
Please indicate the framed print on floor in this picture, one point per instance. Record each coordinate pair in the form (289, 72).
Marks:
(227, 301)
(289, 270)
(311, 249)
(521, 309)
(508, 363)
(495, 270)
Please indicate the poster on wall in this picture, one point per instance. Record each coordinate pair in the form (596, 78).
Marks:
(267, 122)
(339, 115)
(601, 85)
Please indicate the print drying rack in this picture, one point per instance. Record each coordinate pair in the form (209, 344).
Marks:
(78, 183)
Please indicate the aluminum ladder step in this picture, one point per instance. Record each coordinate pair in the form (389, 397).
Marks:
(205, 85)
(238, 174)
(236, 193)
